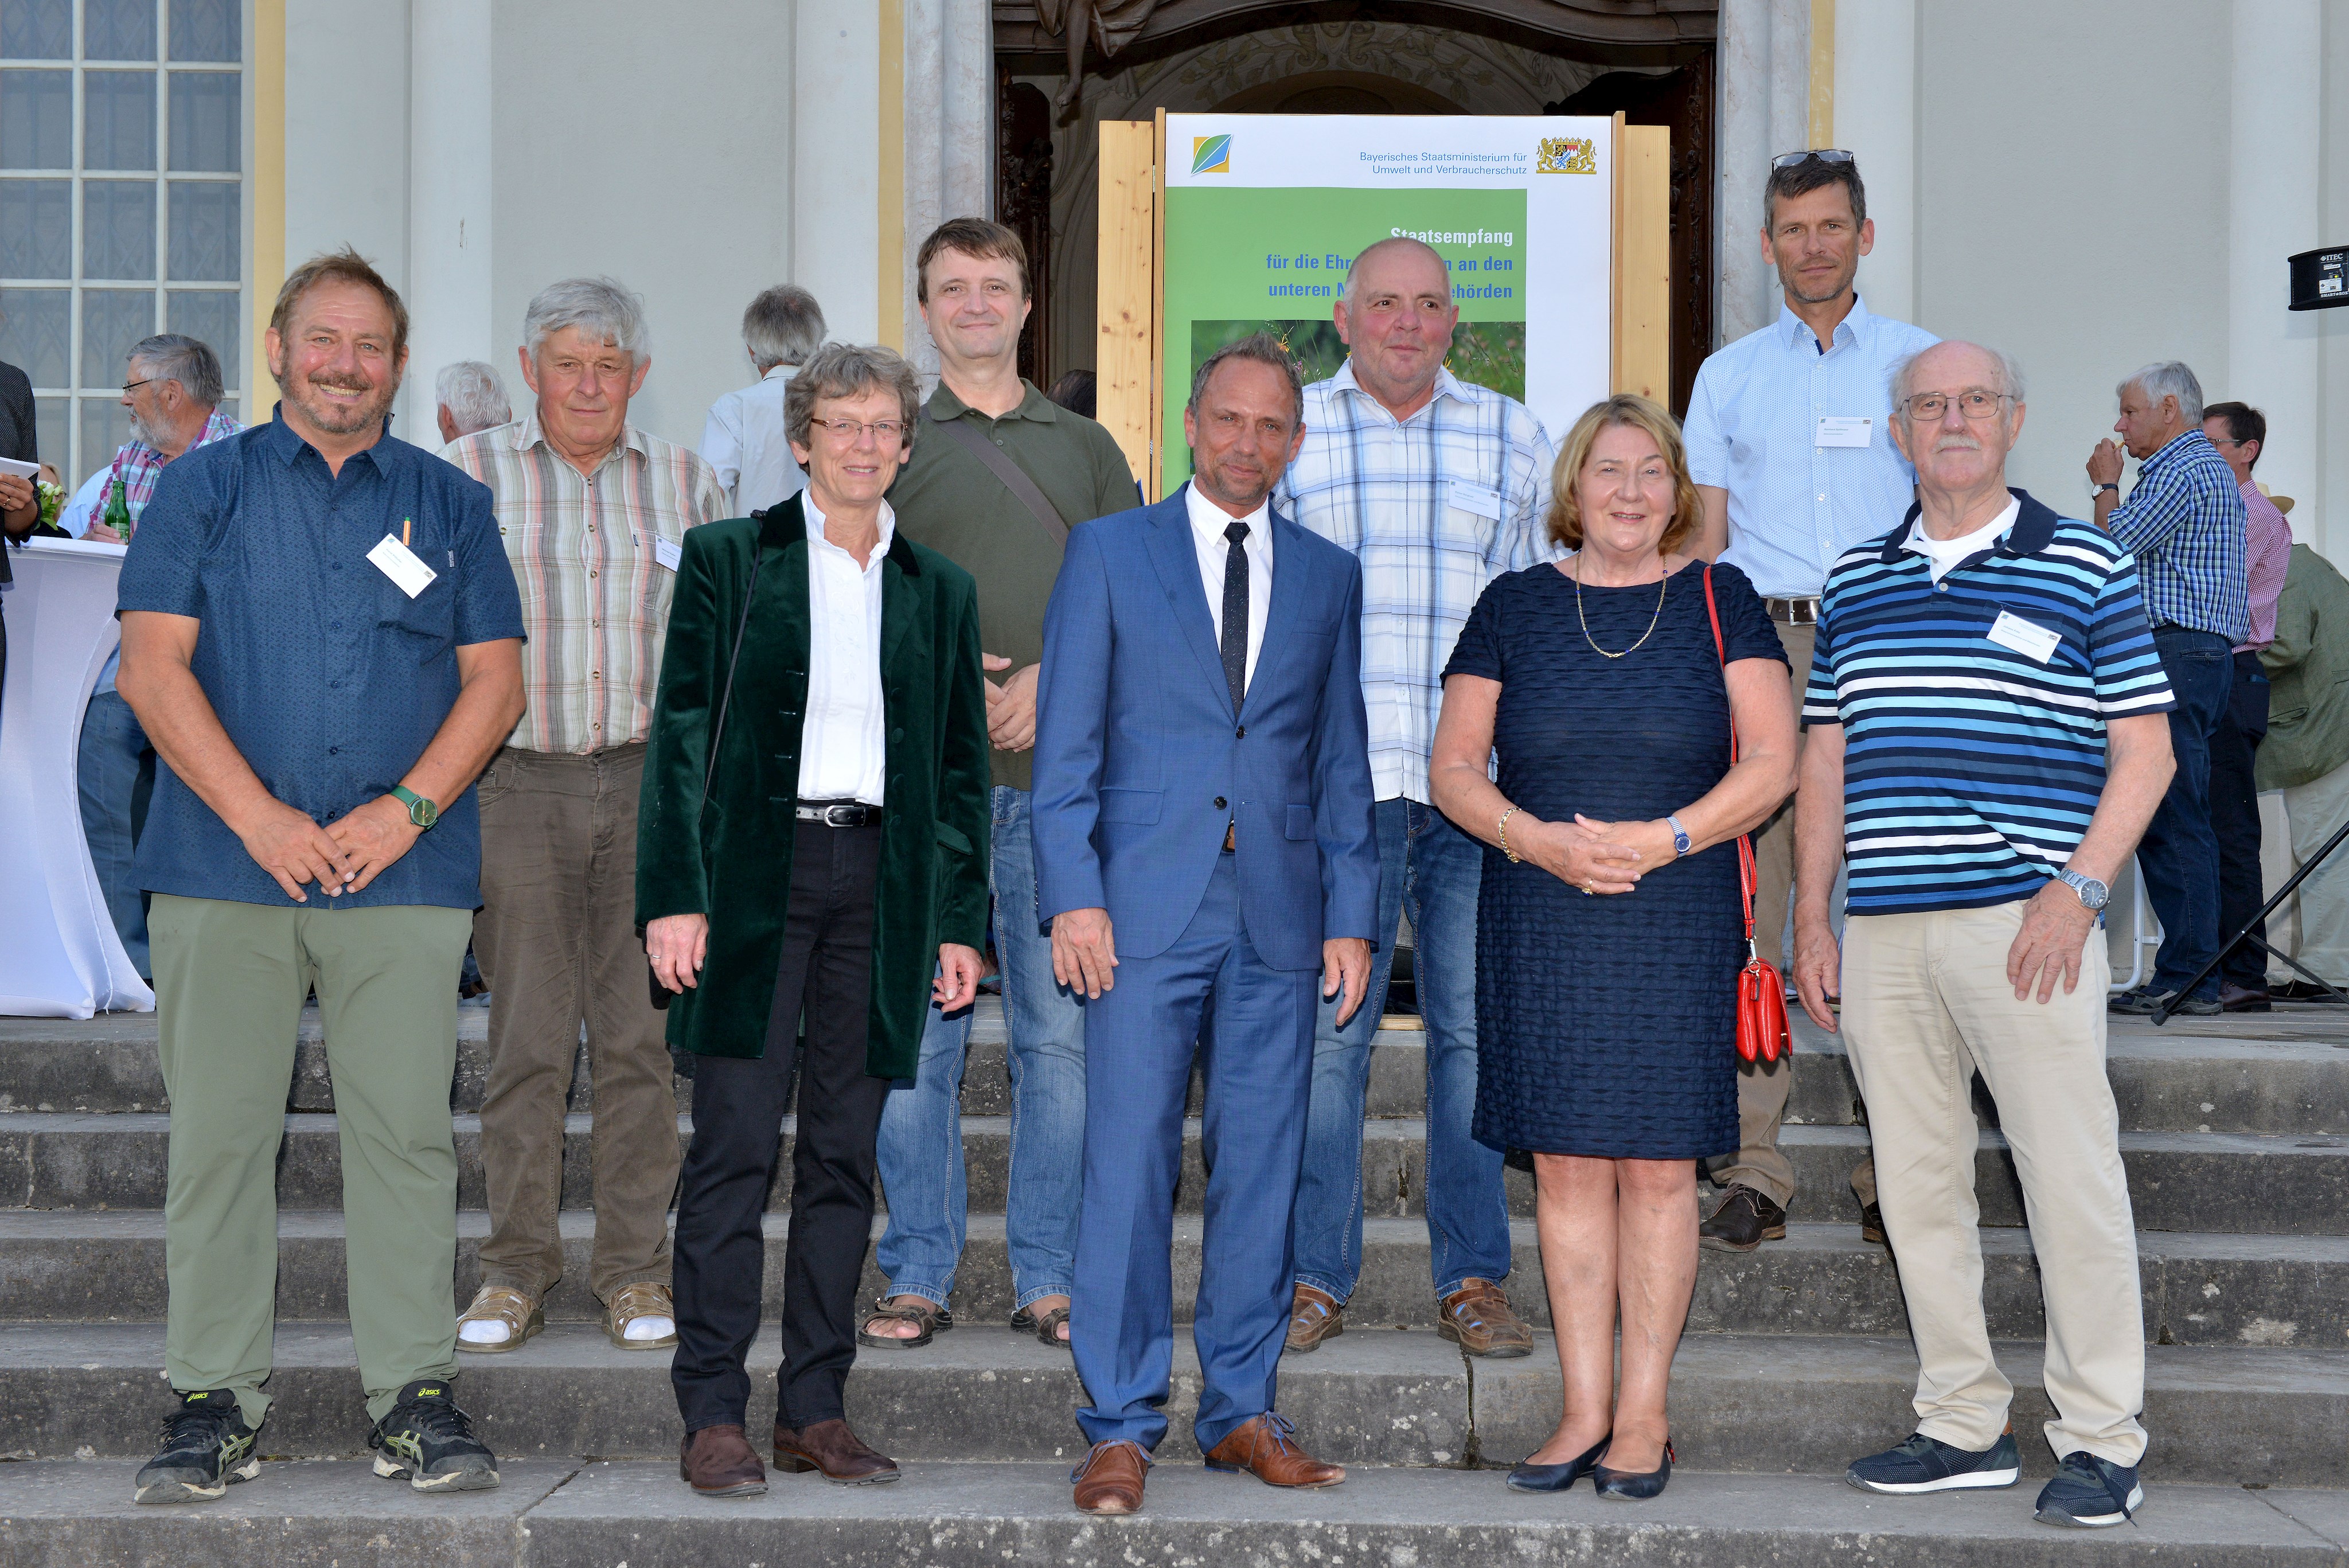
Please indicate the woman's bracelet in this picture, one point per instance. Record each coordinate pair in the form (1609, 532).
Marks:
(1502, 832)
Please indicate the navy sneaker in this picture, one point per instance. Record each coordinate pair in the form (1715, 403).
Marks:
(205, 1446)
(429, 1443)
(1927, 1464)
(2091, 1492)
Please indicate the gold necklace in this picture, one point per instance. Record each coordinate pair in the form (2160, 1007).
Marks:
(1661, 583)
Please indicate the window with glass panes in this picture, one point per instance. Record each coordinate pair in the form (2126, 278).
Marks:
(121, 201)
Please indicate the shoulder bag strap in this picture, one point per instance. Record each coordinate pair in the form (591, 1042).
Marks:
(1744, 841)
(1015, 478)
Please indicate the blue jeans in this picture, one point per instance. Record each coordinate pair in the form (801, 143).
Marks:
(1433, 869)
(2178, 855)
(117, 771)
(920, 1153)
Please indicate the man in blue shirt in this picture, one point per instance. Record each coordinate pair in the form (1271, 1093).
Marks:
(322, 638)
(1790, 445)
(2184, 521)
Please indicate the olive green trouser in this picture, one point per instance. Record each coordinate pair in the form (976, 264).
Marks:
(230, 979)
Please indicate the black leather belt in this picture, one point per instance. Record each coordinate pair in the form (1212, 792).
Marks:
(1794, 612)
(839, 813)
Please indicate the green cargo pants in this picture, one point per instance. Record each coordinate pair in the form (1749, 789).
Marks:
(230, 979)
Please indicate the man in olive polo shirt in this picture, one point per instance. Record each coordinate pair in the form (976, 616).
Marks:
(973, 288)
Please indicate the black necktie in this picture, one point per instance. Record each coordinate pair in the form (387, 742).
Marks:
(1235, 614)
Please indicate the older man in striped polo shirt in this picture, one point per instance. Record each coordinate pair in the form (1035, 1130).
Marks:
(593, 512)
(1987, 742)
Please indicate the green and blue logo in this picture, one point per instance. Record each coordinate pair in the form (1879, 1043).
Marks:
(1211, 154)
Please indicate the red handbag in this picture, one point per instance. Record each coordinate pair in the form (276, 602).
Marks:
(1761, 993)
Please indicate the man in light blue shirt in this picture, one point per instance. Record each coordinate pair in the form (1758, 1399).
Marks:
(1789, 442)
(743, 437)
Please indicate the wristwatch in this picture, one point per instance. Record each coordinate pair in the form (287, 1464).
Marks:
(421, 812)
(2094, 895)
(1680, 836)
(2096, 489)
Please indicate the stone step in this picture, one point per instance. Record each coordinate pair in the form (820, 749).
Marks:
(77, 1265)
(2259, 1076)
(1781, 1402)
(593, 1514)
(2177, 1181)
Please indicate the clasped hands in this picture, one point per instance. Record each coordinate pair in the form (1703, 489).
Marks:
(1594, 856)
(344, 856)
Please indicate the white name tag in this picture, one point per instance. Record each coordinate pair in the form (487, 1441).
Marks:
(1845, 430)
(668, 551)
(398, 561)
(2026, 638)
(1476, 498)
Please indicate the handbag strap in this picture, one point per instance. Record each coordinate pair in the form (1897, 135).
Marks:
(1015, 478)
(1744, 841)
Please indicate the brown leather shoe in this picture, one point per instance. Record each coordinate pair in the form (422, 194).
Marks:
(1479, 1319)
(719, 1462)
(1110, 1480)
(834, 1451)
(1314, 1316)
(1741, 1221)
(1266, 1447)
(2233, 998)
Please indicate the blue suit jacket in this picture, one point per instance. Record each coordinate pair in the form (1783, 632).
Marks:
(1140, 760)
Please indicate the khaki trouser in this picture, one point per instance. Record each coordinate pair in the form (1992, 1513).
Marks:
(230, 979)
(557, 944)
(1762, 1086)
(1926, 1004)
(2317, 809)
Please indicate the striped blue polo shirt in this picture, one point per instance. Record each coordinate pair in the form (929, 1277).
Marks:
(1973, 711)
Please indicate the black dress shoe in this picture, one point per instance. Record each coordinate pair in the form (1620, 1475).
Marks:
(1531, 1476)
(2233, 998)
(1744, 1219)
(1633, 1486)
(2302, 991)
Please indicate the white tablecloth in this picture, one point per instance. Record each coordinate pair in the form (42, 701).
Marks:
(59, 954)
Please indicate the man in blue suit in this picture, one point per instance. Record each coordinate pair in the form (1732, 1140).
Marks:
(1204, 845)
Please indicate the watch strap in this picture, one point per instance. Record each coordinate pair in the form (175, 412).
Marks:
(420, 811)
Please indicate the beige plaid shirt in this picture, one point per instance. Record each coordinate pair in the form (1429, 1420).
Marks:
(595, 592)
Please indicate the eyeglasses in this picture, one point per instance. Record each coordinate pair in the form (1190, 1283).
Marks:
(1973, 402)
(845, 431)
(131, 387)
(1824, 154)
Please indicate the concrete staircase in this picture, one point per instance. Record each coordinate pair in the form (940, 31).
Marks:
(1797, 1359)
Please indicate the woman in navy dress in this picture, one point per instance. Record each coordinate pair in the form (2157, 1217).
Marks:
(1609, 931)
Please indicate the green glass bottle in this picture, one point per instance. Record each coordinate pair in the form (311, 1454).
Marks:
(117, 511)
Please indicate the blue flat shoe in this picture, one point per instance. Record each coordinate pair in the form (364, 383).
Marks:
(1633, 1486)
(1529, 1477)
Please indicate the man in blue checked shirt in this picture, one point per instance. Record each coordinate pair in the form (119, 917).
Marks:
(1790, 447)
(2184, 522)
(1437, 487)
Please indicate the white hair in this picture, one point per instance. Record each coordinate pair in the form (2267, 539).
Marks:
(599, 307)
(2010, 373)
(473, 394)
(2168, 378)
(783, 325)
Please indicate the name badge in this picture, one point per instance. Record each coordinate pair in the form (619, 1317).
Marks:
(1476, 498)
(2026, 638)
(668, 551)
(398, 561)
(1845, 430)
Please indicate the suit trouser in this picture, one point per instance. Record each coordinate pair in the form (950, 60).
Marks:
(1254, 1025)
(2316, 810)
(557, 942)
(1762, 1086)
(1926, 1004)
(230, 979)
(824, 977)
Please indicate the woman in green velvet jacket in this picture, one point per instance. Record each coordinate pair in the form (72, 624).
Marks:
(806, 885)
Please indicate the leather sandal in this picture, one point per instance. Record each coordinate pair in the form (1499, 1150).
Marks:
(1046, 1328)
(522, 1316)
(640, 1299)
(924, 1314)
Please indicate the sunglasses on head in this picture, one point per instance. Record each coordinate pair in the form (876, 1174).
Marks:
(1824, 154)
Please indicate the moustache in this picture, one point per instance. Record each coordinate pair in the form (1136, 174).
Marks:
(1957, 443)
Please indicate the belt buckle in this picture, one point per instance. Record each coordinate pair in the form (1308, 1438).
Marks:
(838, 815)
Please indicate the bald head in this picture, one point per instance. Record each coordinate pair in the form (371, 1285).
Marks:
(1396, 317)
(1399, 260)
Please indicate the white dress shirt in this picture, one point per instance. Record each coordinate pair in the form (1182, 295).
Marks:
(843, 742)
(1208, 522)
(744, 441)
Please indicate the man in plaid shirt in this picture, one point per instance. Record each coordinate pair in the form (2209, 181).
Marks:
(1438, 487)
(2184, 523)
